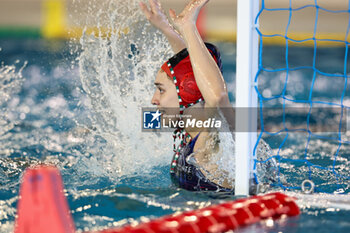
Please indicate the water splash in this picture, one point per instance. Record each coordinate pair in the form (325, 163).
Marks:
(11, 80)
(117, 73)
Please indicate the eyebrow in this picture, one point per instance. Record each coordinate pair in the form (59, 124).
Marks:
(158, 84)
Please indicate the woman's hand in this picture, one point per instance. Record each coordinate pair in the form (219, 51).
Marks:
(158, 18)
(188, 16)
(206, 72)
(155, 15)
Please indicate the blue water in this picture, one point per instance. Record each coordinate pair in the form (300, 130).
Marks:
(48, 122)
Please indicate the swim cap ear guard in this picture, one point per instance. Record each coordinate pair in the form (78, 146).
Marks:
(179, 68)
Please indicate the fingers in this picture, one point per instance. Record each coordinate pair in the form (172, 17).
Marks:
(155, 5)
(145, 10)
(196, 4)
(193, 8)
(199, 2)
(172, 14)
(205, 2)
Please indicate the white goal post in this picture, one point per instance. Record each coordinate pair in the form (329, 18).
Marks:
(246, 97)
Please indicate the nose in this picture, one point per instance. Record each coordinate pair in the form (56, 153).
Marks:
(155, 98)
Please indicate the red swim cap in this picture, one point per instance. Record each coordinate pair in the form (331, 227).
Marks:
(179, 68)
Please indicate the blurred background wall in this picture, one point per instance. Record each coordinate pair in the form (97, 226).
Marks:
(53, 18)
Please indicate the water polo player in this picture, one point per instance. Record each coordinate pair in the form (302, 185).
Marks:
(189, 80)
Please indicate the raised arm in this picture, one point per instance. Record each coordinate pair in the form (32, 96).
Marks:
(157, 17)
(207, 74)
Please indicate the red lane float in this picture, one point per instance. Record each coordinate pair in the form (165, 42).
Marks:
(219, 218)
(43, 208)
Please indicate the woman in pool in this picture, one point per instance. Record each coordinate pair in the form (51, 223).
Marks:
(189, 80)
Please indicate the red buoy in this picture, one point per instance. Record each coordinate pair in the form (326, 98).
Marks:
(42, 206)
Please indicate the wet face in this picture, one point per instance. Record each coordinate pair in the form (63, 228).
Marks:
(165, 95)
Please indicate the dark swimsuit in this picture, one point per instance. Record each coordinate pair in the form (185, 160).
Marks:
(188, 176)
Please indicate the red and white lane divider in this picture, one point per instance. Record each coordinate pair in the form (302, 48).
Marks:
(43, 208)
(220, 218)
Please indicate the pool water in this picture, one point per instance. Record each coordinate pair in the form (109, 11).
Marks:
(48, 122)
(50, 116)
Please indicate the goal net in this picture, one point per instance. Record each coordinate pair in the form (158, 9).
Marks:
(298, 81)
